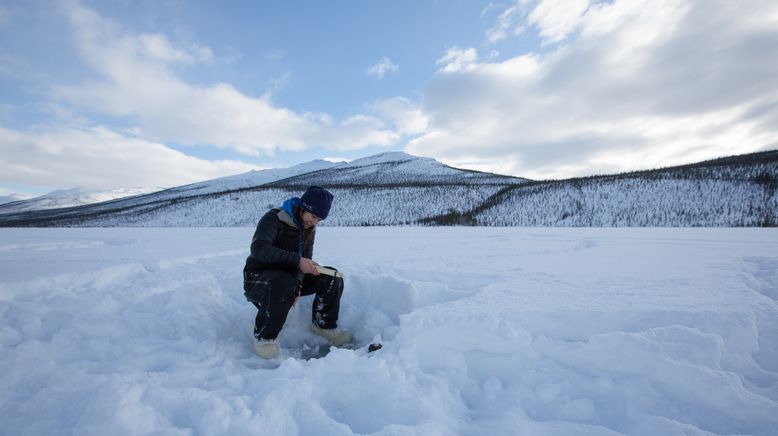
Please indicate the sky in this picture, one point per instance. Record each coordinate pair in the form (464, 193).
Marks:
(157, 93)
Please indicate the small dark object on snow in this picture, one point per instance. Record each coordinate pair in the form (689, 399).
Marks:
(374, 347)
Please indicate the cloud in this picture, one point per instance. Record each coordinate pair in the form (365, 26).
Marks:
(556, 19)
(632, 87)
(138, 81)
(509, 23)
(457, 59)
(158, 47)
(100, 158)
(280, 82)
(384, 66)
(406, 117)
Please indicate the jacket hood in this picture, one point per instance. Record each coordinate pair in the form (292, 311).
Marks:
(286, 214)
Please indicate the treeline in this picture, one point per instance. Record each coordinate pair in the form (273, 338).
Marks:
(733, 192)
(635, 203)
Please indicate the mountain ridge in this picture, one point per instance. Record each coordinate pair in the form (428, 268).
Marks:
(66, 198)
(72, 197)
(401, 189)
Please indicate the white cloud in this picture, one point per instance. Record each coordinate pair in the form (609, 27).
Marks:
(554, 19)
(353, 133)
(634, 87)
(384, 66)
(509, 23)
(280, 82)
(457, 59)
(558, 18)
(406, 117)
(138, 82)
(158, 47)
(100, 158)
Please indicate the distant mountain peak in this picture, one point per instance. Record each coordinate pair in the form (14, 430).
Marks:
(314, 165)
(389, 156)
(11, 198)
(71, 197)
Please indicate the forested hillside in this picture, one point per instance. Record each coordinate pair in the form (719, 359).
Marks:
(399, 189)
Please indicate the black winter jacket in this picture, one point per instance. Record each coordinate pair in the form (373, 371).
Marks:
(275, 244)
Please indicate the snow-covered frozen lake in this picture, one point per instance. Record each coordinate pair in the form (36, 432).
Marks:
(486, 331)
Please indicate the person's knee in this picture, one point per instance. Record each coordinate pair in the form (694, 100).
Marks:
(337, 285)
(286, 287)
(275, 285)
(255, 291)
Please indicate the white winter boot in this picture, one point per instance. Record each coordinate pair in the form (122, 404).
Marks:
(266, 348)
(337, 337)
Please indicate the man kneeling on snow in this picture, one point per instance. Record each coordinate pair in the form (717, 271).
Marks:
(280, 270)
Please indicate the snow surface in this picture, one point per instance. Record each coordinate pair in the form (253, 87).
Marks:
(486, 331)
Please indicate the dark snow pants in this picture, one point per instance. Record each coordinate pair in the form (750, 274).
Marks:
(273, 292)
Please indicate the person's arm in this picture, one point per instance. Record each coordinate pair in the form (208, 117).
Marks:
(308, 247)
(307, 265)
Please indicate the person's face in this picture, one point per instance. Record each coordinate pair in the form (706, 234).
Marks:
(310, 220)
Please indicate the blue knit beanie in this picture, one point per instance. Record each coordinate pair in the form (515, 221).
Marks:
(317, 201)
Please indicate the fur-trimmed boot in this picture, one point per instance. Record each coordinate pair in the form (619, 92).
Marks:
(266, 348)
(336, 336)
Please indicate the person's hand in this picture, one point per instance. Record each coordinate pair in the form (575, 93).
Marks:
(308, 266)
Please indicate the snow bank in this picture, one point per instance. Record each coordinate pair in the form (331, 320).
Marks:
(485, 331)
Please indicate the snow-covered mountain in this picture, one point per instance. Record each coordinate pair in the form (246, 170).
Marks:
(396, 168)
(400, 189)
(66, 198)
(371, 186)
(11, 198)
(70, 198)
(247, 180)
